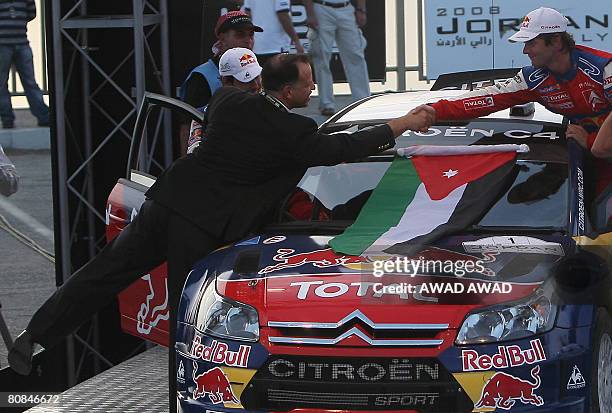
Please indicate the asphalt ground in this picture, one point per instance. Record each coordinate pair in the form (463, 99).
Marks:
(27, 278)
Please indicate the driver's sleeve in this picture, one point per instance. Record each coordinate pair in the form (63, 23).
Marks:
(481, 102)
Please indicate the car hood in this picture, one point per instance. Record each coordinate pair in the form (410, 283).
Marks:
(297, 278)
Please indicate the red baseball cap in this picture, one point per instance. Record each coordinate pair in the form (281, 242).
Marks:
(234, 20)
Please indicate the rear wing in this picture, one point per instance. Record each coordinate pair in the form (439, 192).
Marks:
(473, 79)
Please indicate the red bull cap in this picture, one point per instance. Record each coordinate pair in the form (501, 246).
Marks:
(240, 63)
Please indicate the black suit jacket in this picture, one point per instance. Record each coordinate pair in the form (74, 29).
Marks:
(255, 154)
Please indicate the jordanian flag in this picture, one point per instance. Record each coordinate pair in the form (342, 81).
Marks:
(437, 191)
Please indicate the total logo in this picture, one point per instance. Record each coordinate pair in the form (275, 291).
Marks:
(220, 353)
(503, 390)
(214, 384)
(479, 102)
(506, 356)
(556, 97)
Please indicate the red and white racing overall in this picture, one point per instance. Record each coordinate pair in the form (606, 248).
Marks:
(583, 94)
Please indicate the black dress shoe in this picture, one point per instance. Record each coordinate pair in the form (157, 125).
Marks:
(20, 355)
(8, 125)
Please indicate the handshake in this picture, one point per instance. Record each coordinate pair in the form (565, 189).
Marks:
(421, 118)
(418, 119)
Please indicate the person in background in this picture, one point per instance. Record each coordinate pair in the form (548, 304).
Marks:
(238, 67)
(339, 21)
(233, 29)
(15, 50)
(278, 35)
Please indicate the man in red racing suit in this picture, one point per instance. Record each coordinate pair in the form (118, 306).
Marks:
(574, 81)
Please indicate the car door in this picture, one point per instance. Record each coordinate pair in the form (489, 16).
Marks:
(144, 304)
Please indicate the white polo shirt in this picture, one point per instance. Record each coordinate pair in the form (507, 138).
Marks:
(273, 39)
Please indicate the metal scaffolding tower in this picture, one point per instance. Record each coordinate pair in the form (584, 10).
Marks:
(101, 63)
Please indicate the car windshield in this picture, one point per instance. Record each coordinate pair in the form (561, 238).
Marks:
(538, 197)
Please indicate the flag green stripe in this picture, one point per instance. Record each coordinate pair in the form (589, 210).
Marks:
(383, 210)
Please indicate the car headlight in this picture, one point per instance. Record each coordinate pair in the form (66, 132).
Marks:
(225, 318)
(509, 321)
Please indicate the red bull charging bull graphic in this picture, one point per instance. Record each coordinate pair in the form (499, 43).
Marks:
(319, 258)
(503, 390)
(155, 307)
(214, 384)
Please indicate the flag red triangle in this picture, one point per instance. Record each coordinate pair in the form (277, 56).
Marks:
(442, 174)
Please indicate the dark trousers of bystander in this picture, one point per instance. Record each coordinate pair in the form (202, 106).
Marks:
(20, 56)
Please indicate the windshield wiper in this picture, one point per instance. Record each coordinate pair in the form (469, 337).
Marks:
(310, 226)
(514, 229)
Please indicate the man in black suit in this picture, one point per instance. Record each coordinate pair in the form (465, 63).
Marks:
(255, 154)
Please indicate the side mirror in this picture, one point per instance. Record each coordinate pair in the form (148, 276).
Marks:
(527, 109)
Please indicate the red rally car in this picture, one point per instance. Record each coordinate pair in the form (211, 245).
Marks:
(509, 313)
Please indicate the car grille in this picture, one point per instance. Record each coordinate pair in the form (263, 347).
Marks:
(290, 382)
(359, 325)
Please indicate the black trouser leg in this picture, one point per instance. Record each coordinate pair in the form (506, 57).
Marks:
(140, 247)
(186, 245)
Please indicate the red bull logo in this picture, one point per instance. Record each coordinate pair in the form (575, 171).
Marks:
(287, 258)
(155, 307)
(220, 353)
(506, 356)
(503, 390)
(214, 384)
(246, 59)
(525, 22)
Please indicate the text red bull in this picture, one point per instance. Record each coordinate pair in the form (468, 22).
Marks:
(214, 384)
(319, 258)
(219, 352)
(503, 390)
(506, 356)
